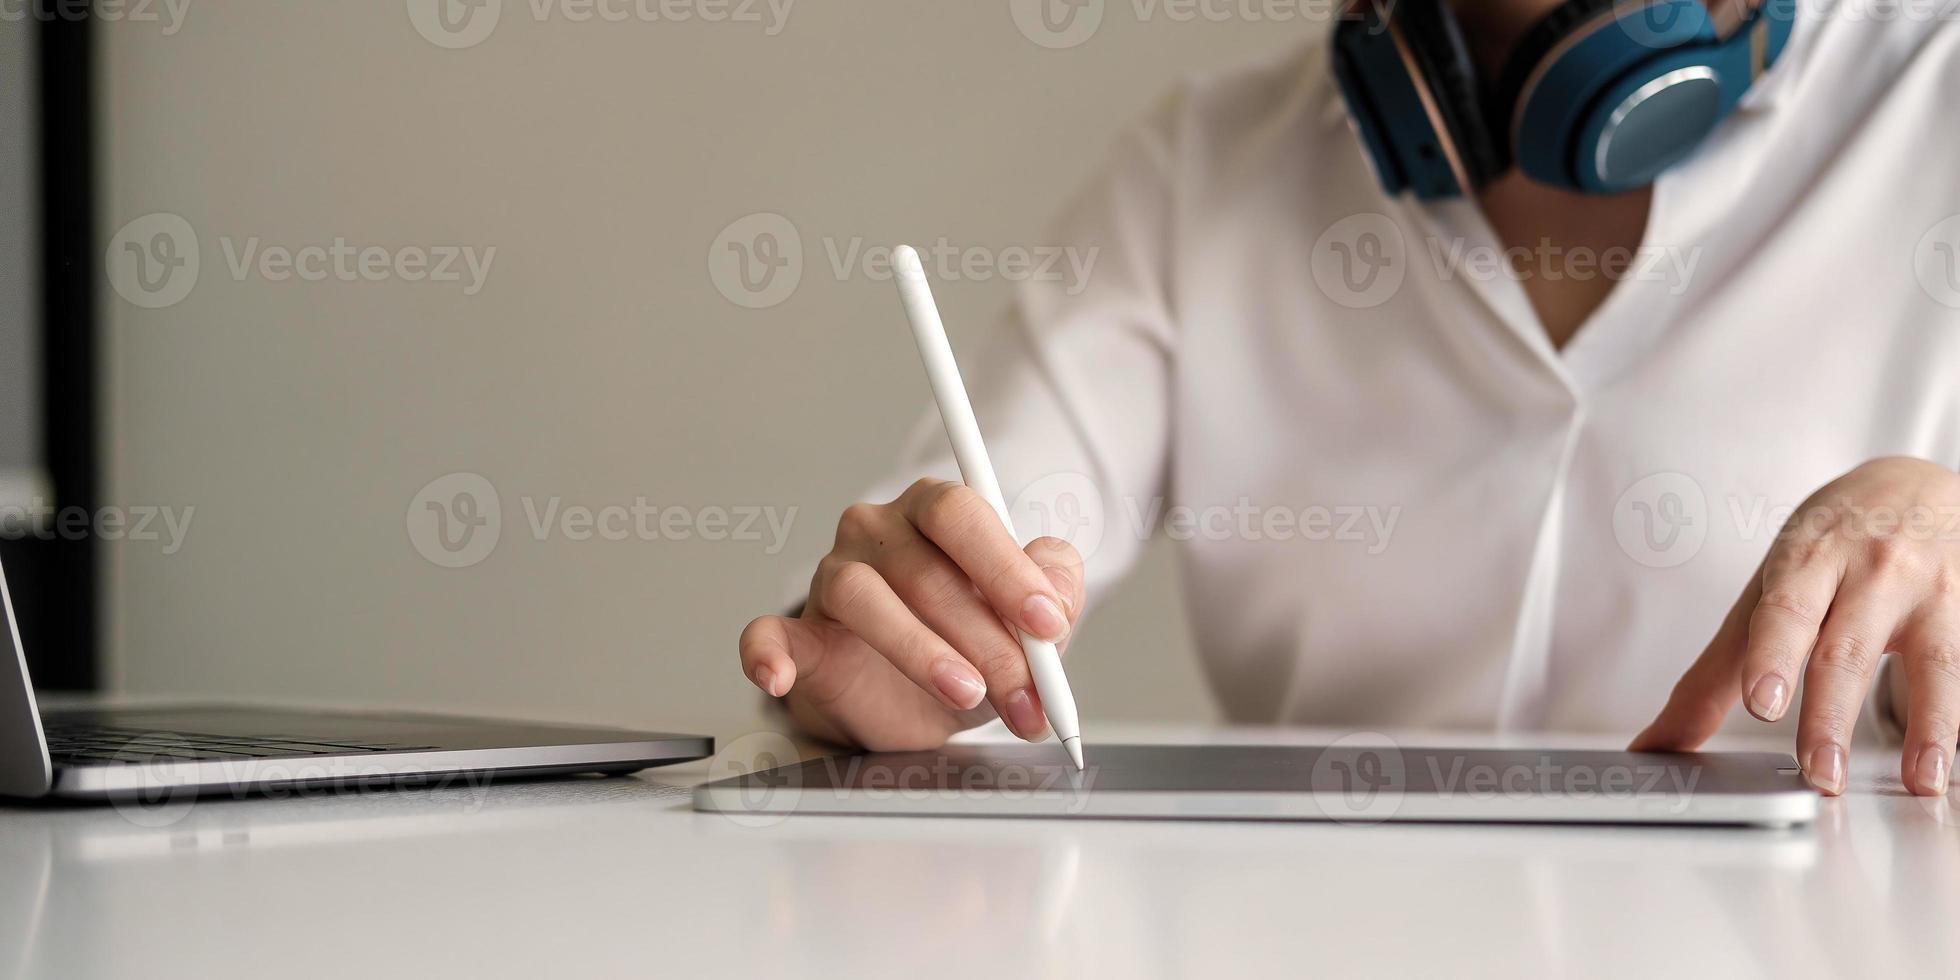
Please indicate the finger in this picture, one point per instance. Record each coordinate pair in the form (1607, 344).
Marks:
(1063, 565)
(783, 654)
(862, 601)
(1930, 647)
(1861, 623)
(945, 599)
(964, 526)
(769, 650)
(1800, 581)
(844, 691)
(1704, 695)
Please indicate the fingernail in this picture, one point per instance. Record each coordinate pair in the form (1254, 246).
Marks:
(961, 686)
(1024, 717)
(1064, 584)
(1044, 618)
(1930, 772)
(1766, 700)
(1826, 769)
(766, 679)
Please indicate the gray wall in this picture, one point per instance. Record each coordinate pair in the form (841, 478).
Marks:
(19, 260)
(598, 363)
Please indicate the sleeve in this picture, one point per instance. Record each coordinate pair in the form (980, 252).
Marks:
(1073, 392)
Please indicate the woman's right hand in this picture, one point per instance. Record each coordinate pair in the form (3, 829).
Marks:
(906, 637)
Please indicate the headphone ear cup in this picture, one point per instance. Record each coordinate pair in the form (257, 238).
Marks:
(1437, 43)
(1532, 50)
(1539, 44)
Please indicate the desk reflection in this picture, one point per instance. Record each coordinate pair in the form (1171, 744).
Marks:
(502, 881)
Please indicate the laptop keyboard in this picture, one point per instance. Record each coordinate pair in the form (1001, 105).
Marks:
(97, 745)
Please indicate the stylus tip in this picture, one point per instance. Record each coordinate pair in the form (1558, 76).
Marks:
(906, 261)
(1074, 747)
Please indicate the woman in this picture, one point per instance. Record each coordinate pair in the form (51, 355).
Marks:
(1477, 416)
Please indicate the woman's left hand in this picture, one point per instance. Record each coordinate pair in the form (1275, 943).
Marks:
(1868, 565)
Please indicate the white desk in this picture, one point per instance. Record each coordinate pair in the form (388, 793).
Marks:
(615, 878)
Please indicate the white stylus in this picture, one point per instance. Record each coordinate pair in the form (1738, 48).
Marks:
(963, 430)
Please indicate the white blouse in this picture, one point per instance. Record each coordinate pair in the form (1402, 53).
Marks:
(1395, 503)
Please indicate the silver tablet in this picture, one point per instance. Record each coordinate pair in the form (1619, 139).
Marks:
(1347, 783)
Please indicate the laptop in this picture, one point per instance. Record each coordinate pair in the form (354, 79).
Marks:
(152, 753)
(1354, 782)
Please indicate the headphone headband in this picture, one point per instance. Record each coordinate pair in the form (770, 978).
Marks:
(1600, 95)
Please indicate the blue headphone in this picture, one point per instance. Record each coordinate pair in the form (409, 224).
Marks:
(1599, 96)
